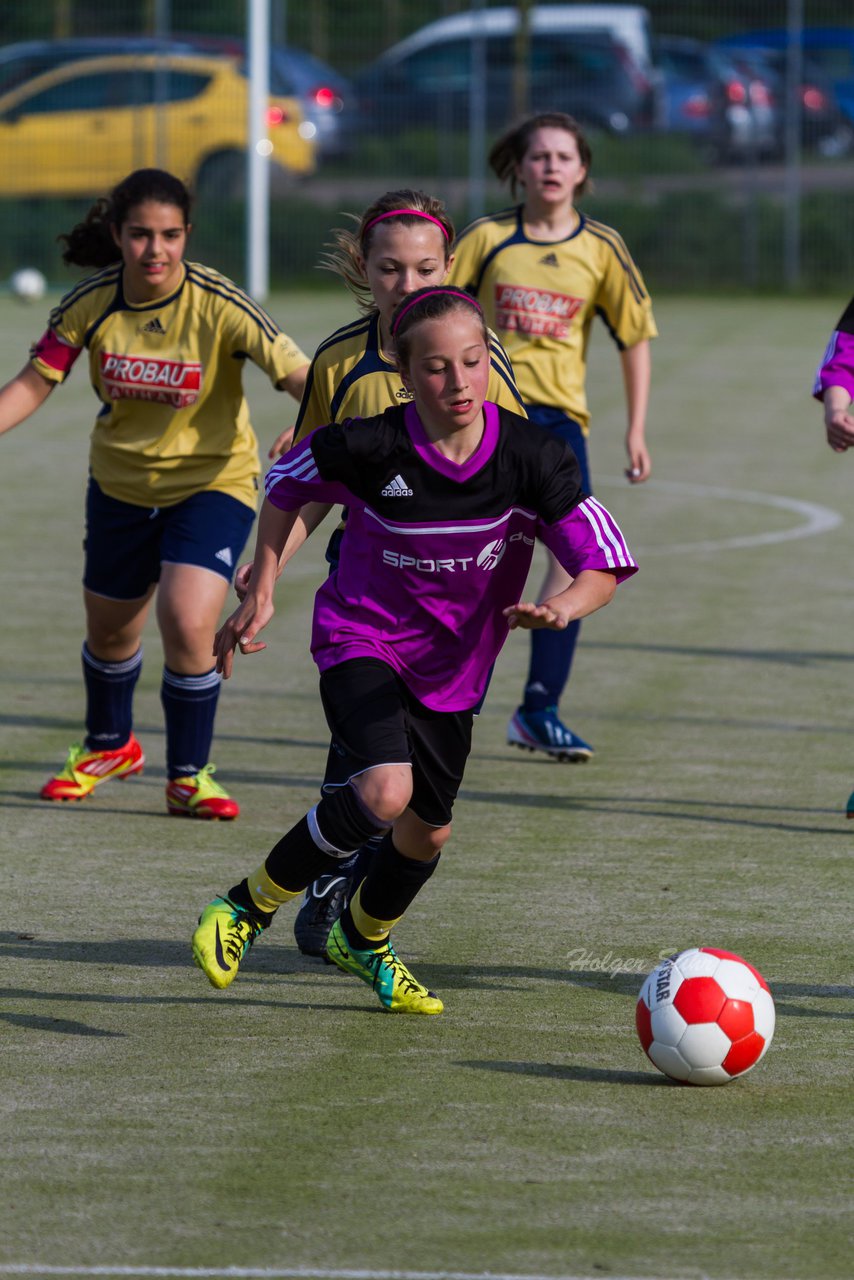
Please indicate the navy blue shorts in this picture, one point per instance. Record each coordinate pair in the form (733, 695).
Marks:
(125, 545)
(560, 424)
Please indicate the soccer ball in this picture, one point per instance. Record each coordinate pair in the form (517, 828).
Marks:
(705, 1016)
(28, 284)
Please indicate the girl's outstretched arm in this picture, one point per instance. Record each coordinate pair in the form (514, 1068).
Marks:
(21, 396)
(592, 589)
(838, 418)
(637, 373)
(256, 610)
(308, 519)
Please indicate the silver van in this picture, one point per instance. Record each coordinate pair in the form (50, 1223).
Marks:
(593, 61)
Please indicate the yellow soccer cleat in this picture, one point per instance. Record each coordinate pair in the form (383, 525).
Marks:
(224, 934)
(84, 770)
(383, 970)
(200, 796)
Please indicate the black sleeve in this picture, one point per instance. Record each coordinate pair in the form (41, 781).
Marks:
(559, 480)
(846, 323)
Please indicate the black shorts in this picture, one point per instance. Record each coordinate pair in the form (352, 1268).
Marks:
(126, 545)
(374, 719)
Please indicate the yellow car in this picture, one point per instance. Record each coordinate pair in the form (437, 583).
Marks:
(77, 130)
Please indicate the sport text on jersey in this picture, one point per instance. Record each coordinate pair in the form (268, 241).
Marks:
(175, 382)
(540, 312)
(488, 558)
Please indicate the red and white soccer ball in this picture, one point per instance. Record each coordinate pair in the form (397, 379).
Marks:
(705, 1016)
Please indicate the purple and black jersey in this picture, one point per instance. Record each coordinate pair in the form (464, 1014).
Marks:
(837, 364)
(434, 550)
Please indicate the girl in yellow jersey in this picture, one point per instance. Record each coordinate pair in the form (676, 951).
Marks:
(174, 472)
(402, 242)
(542, 271)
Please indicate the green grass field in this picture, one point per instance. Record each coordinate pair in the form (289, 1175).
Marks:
(288, 1126)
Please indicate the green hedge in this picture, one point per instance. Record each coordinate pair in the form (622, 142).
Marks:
(683, 242)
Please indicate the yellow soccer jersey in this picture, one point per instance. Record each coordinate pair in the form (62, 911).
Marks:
(541, 297)
(174, 420)
(350, 377)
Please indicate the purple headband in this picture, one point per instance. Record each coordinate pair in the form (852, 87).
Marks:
(451, 293)
(413, 213)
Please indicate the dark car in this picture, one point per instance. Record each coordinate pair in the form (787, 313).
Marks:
(723, 106)
(589, 74)
(823, 125)
(830, 51)
(326, 98)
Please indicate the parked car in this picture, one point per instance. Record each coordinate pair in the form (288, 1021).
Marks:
(830, 51)
(722, 106)
(326, 98)
(78, 129)
(425, 80)
(823, 125)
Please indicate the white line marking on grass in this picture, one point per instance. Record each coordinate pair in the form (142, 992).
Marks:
(815, 518)
(289, 1273)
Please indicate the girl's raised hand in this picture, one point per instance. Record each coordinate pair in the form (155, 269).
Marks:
(533, 617)
(282, 443)
(239, 632)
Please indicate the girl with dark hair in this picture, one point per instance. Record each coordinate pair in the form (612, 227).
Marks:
(174, 472)
(446, 496)
(542, 271)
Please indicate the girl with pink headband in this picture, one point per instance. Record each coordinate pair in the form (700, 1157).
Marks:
(446, 495)
(402, 242)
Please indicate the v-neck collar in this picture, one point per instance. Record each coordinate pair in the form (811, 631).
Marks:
(459, 471)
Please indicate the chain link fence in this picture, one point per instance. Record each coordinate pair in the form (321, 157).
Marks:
(722, 135)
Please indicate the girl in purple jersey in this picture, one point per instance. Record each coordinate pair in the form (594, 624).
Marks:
(446, 497)
(834, 386)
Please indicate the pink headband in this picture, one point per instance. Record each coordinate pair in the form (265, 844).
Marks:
(412, 213)
(429, 293)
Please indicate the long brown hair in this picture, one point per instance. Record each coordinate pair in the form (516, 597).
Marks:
(509, 151)
(90, 243)
(348, 248)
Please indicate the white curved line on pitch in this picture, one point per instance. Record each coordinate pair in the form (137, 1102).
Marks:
(816, 519)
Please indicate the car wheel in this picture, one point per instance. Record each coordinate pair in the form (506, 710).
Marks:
(222, 176)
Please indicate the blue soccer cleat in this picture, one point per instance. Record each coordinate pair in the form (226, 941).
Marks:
(545, 731)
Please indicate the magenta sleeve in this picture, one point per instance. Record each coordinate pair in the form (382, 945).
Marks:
(837, 365)
(589, 538)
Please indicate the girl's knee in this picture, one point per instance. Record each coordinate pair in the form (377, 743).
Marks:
(385, 791)
(436, 838)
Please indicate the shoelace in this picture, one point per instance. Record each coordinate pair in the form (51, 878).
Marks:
(240, 934)
(205, 778)
(389, 957)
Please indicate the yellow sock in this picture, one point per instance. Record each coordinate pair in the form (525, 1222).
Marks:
(369, 926)
(265, 893)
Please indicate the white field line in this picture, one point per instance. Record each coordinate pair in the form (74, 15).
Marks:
(814, 518)
(288, 1273)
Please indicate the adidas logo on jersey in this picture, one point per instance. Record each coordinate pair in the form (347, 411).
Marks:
(153, 326)
(225, 556)
(550, 260)
(397, 488)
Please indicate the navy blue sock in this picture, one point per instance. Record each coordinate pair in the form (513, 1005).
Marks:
(551, 661)
(109, 699)
(189, 703)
